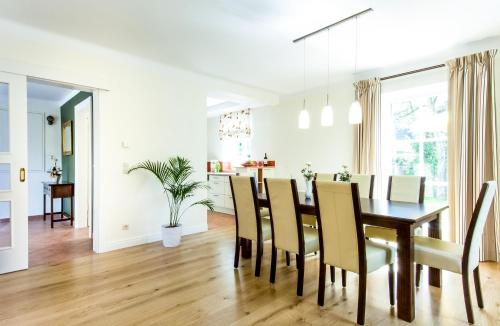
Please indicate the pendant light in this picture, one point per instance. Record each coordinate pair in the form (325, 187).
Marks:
(304, 114)
(355, 112)
(327, 112)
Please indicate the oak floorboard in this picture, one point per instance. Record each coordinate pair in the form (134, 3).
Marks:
(196, 284)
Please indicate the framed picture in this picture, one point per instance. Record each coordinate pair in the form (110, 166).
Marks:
(67, 138)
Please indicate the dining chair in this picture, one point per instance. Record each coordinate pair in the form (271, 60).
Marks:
(402, 188)
(456, 258)
(249, 222)
(325, 176)
(288, 232)
(365, 184)
(342, 241)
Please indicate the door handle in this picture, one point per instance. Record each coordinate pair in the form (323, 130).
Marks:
(22, 175)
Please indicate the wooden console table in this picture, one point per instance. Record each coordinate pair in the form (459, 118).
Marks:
(58, 190)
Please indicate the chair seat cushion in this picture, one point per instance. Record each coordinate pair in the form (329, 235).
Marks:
(439, 254)
(308, 219)
(266, 229)
(390, 235)
(311, 240)
(264, 212)
(378, 255)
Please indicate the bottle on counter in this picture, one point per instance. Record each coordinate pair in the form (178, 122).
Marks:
(265, 159)
(217, 167)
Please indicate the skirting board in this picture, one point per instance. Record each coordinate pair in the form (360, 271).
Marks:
(140, 240)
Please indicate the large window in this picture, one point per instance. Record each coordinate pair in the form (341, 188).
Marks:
(414, 136)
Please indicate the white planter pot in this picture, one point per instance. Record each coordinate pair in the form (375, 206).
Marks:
(171, 236)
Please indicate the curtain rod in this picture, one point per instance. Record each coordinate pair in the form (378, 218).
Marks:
(413, 72)
(332, 25)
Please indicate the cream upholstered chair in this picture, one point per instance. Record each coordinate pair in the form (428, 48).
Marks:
(288, 232)
(342, 240)
(456, 258)
(365, 184)
(325, 176)
(249, 223)
(409, 189)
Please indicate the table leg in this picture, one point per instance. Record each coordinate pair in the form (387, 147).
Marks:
(435, 232)
(406, 292)
(44, 204)
(51, 212)
(62, 208)
(71, 210)
(246, 248)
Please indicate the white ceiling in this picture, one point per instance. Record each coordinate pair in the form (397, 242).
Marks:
(47, 92)
(250, 41)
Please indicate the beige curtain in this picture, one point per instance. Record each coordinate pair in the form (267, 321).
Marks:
(367, 134)
(472, 156)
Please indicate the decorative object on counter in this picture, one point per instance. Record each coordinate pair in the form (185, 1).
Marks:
(265, 159)
(308, 174)
(344, 175)
(55, 172)
(249, 163)
(173, 176)
(217, 166)
(236, 124)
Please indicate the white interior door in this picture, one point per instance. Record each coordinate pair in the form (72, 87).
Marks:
(13, 175)
(83, 161)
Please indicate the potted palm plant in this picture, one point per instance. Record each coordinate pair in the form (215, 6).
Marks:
(174, 176)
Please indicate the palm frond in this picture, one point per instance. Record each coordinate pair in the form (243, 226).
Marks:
(174, 176)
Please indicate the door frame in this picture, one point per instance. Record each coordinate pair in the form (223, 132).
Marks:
(95, 109)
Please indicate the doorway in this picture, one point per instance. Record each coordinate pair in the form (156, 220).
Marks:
(59, 172)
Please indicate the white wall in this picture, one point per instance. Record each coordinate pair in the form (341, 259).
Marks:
(43, 142)
(158, 111)
(276, 132)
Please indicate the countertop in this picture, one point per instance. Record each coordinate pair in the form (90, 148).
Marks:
(228, 173)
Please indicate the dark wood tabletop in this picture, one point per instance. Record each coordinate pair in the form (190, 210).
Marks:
(404, 218)
(412, 213)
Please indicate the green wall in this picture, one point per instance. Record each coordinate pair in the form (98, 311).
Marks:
(68, 161)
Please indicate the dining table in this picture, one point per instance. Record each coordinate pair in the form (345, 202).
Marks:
(404, 218)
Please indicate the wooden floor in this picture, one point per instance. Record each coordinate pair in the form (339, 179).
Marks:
(57, 245)
(195, 284)
(52, 246)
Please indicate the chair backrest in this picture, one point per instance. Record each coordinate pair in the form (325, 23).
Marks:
(325, 176)
(341, 236)
(473, 239)
(246, 207)
(365, 184)
(406, 188)
(285, 214)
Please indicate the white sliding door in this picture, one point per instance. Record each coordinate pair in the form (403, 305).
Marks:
(13, 175)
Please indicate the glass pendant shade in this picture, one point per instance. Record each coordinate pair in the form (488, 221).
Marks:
(355, 115)
(327, 116)
(304, 119)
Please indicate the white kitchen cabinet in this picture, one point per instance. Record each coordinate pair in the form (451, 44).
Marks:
(220, 193)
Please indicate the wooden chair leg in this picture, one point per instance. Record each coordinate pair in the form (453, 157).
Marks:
(362, 298)
(391, 284)
(468, 306)
(321, 285)
(418, 272)
(274, 252)
(477, 285)
(258, 258)
(297, 262)
(237, 252)
(300, 280)
(287, 257)
(332, 274)
(343, 278)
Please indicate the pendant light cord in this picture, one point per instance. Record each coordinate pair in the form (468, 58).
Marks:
(356, 48)
(304, 105)
(328, 83)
